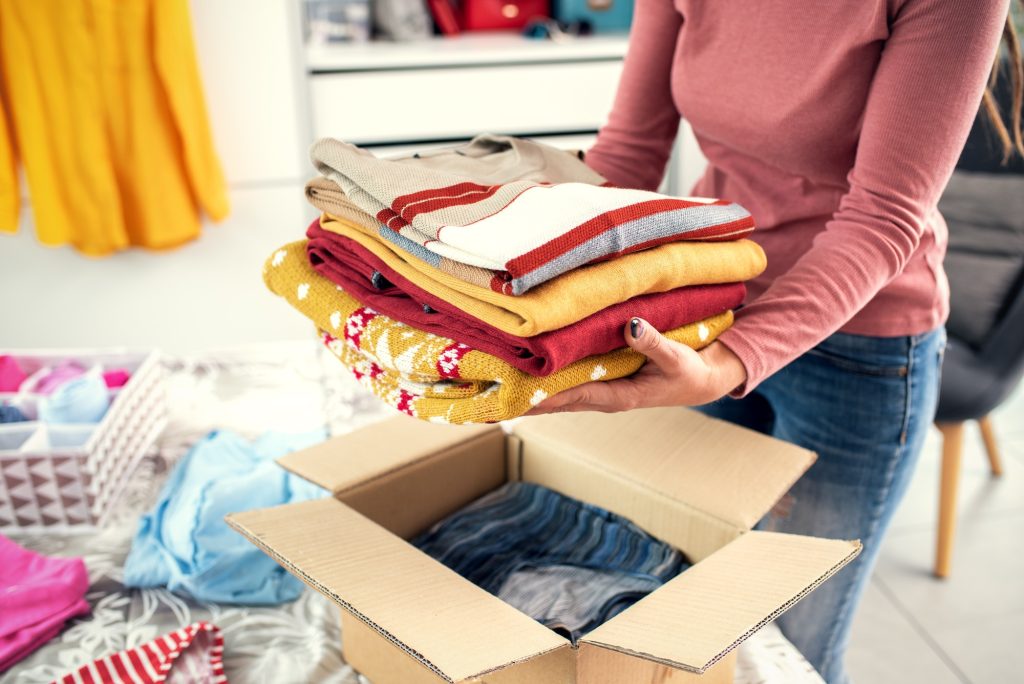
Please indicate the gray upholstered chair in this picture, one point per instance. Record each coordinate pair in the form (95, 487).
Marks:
(984, 207)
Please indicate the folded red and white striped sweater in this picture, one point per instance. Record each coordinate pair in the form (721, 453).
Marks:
(528, 231)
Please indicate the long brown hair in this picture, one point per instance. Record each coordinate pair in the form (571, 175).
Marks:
(1009, 135)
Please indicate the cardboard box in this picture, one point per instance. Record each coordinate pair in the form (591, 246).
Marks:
(697, 483)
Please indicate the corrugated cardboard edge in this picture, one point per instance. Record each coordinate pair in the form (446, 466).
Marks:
(422, 458)
(856, 548)
(696, 533)
(518, 661)
(409, 499)
(375, 657)
(308, 463)
(598, 665)
(547, 430)
(325, 591)
(568, 453)
(297, 572)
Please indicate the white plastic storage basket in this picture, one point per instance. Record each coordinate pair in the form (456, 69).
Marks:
(68, 476)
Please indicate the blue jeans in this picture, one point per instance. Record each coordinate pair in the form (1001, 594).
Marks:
(864, 404)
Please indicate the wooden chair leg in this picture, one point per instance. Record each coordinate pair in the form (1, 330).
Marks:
(988, 435)
(952, 446)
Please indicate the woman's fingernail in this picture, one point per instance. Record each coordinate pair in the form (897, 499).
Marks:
(636, 328)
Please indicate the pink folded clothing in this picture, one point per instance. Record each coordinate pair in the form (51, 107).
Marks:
(38, 594)
(58, 375)
(11, 375)
(117, 377)
(193, 654)
(368, 279)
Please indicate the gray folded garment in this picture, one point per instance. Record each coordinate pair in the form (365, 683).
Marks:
(569, 565)
(562, 597)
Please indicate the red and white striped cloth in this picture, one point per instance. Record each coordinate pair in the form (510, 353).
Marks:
(192, 654)
(526, 231)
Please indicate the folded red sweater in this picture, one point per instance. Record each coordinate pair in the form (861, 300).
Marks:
(364, 276)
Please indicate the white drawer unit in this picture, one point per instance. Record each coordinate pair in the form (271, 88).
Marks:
(455, 102)
(448, 89)
(400, 98)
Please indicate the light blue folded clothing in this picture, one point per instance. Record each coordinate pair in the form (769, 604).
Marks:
(185, 545)
(83, 399)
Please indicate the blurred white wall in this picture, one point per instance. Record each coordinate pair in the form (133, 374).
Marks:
(250, 57)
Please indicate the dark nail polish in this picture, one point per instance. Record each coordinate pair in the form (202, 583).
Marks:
(636, 328)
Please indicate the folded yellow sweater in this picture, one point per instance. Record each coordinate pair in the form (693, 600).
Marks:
(433, 377)
(574, 295)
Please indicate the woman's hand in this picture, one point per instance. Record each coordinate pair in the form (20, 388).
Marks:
(674, 375)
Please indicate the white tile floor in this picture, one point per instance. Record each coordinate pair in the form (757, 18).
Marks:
(911, 627)
(968, 628)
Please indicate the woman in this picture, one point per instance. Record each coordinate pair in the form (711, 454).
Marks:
(837, 125)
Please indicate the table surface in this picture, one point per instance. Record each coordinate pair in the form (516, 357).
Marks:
(251, 390)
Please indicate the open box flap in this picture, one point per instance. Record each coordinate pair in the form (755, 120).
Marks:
(728, 472)
(698, 617)
(376, 450)
(453, 627)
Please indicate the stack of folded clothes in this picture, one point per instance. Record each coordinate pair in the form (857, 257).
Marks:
(469, 283)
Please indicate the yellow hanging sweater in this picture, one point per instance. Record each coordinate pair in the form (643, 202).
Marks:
(107, 117)
(436, 378)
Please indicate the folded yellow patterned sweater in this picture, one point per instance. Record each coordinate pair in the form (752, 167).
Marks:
(431, 377)
(574, 295)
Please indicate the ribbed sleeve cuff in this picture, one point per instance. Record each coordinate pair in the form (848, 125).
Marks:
(750, 355)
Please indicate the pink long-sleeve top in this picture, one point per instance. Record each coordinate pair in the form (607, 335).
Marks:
(837, 124)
